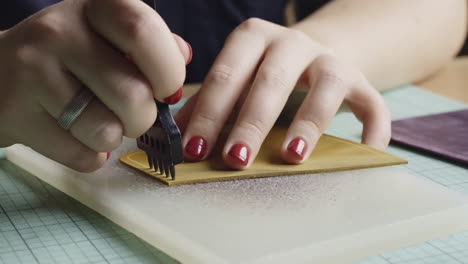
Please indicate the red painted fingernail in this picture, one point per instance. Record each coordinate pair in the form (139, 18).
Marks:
(190, 53)
(297, 147)
(175, 98)
(108, 155)
(196, 148)
(240, 153)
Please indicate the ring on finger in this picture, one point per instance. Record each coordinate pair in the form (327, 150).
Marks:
(75, 108)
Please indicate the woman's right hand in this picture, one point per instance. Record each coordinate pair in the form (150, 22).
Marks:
(52, 55)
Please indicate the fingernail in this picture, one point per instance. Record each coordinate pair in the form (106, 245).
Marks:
(196, 148)
(190, 53)
(240, 153)
(175, 98)
(108, 155)
(297, 147)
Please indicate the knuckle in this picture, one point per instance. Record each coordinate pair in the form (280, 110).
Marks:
(309, 123)
(298, 36)
(135, 93)
(332, 74)
(335, 78)
(205, 123)
(273, 76)
(206, 119)
(26, 58)
(131, 21)
(28, 63)
(133, 25)
(109, 135)
(328, 68)
(221, 74)
(251, 24)
(253, 128)
(24, 53)
(48, 27)
(84, 160)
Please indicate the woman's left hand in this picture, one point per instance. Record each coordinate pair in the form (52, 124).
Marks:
(268, 61)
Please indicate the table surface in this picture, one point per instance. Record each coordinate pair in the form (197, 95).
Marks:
(39, 224)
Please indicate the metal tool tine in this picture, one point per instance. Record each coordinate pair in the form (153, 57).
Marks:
(163, 171)
(163, 154)
(166, 170)
(167, 157)
(155, 163)
(150, 160)
(162, 143)
(161, 165)
(172, 172)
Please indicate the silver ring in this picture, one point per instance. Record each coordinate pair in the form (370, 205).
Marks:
(75, 108)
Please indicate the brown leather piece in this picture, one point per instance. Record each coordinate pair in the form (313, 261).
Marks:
(330, 154)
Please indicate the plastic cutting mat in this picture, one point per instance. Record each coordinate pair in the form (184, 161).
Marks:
(39, 224)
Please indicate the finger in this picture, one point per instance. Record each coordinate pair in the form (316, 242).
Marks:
(57, 144)
(184, 47)
(369, 107)
(182, 116)
(230, 74)
(329, 81)
(137, 30)
(114, 80)
(97, 127)
(275, 79)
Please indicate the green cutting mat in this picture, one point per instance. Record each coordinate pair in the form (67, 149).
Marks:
(39, 224)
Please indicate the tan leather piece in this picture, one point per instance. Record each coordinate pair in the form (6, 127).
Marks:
(330, 154)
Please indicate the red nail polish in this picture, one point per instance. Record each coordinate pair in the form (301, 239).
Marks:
(190, 53)
(108, 155)
(175, 98)
(196, 148)
(240, 153)
(297, 147)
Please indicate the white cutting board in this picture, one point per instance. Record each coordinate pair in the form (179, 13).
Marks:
(320, 218)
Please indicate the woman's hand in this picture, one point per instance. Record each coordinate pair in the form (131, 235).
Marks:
(267, 61)
(57, 52)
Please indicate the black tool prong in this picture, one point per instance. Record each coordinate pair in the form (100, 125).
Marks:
(155, 163)
(163, 152)
(163, 169)
(158, 168)
(164, 166)
(162, 143)
(150, 161)
(172, 169)
(167, 170)
(161, 165)
(168, 165)
(166, 158)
